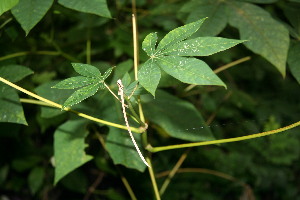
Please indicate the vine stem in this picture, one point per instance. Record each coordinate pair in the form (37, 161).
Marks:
(56, 105)
(235, 139)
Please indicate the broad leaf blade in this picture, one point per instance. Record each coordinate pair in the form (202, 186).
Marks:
(215, 10)
(179, 34)
(201, 46)
(14, 73)
(86, 70)
(29, 12)
(6, 5)
(176, 117)
(294, 61)
(69, 148)
(97, 7)
(149, 76)
(189, 70)
(81, 95)
(149, 44)
(74, 82)
(266, 36)
(11, 109)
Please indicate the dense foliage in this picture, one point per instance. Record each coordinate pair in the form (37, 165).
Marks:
(209, 69)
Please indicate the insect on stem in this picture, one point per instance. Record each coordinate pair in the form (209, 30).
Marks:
(121, 93)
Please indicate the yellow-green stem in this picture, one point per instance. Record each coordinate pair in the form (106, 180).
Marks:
(247, 137)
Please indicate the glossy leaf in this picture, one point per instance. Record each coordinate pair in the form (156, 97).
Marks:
(29, 12)
(6, 5)
(149, 75)
(294, 61)
(86, 70)
(214, 10)
(189, 70)
(69, 146)
(81, 94)
(149, 44)
(74, 82)
(176, 117)
(179, 34)
(265, 36)
(97, 7)
(14, 73)
(201, 46)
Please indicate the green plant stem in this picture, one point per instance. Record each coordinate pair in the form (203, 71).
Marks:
(153, 180)
(235, 139)
(53, 104)
(6, 22)
(222, 68)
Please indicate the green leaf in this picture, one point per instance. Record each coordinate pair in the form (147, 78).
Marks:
(149, 75)
(6, 5)
(86, 70)
(266, 36)
(11, 109)
(35, 179)
(261, 1)
(107, 73)
(189, 70)
(81, 94)
(201, 46)
(179, 34)
(176, 117)
(215, 11)
(69, 148)
(97, 7)
(74, 82)
(294, 60)
(29, 12)
(59, 96)
(149, 44)
(14, 73)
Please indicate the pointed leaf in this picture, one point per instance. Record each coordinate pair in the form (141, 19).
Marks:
(266, 36)
(201, 46)
(149, 76)
(29, 12)
(107, 73)
(176, 117)
(189, 70)
(69, 148)
(35, 179)
(6, 5)
(294, 61)
(179, 34)
(215, 10)
(149, 44)
(81, 95)
(11, 109)
(97, 7)
(14, 73)
(74, 82)
(86, 70)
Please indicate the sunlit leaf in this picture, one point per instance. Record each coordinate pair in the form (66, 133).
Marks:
(201, 46)
(29, 12)
(189, 70)
(107, 73)
(6, 5)
(74, 82)
(69, 148)
(265, 36)
(97, 7)
(86, 70)
(149, 75)
(149, 44)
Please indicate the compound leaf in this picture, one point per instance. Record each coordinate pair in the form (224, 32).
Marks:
(266, 36)
(149, 75)
(179, 34)
(201, 46)
(6, 5)
(97, 7)
(149, 44)
(74, 82)
(86, 70)
(189, 70)
(69, 148)
(29, 12)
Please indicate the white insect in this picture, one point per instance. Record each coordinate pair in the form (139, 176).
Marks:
(121, 93)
